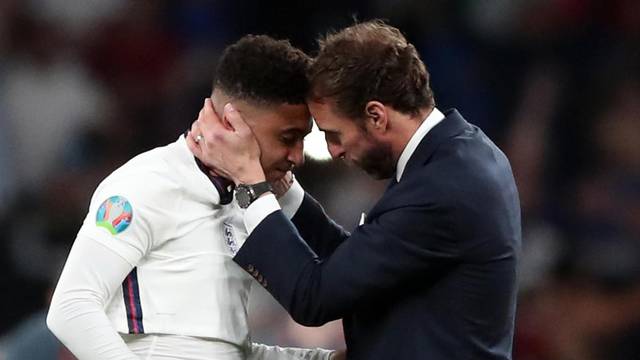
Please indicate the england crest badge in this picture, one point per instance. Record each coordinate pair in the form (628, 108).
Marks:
(230, 238)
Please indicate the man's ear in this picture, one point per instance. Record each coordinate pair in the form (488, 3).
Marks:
(376, 117)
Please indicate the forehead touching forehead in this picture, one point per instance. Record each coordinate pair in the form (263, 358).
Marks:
(326, 112)
(280, 118)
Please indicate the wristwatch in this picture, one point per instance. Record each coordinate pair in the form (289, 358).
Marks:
(246, 194)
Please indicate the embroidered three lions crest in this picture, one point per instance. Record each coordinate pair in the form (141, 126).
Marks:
(230, 238)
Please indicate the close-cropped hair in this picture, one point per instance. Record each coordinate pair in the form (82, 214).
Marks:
(370, 61)
(261, 69)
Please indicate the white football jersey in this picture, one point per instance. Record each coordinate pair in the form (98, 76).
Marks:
(161, 213)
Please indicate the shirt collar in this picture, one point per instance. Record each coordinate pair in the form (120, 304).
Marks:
(432, 120)
(197, 176)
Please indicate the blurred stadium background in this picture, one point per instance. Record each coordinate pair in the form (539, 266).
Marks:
(87, 84)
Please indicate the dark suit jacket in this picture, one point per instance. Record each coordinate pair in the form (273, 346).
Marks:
(432, 272)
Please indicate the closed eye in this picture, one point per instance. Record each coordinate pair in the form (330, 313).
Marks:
(292, 137)
(289, 140)
(332, 137)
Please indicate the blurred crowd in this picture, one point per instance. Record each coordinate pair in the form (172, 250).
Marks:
(87, 84)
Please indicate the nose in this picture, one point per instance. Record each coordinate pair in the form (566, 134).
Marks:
(296, 155)
(336, 151)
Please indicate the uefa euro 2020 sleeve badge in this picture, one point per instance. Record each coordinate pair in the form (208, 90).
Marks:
(114, 214)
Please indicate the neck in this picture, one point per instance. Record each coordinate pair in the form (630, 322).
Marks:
(406, 126)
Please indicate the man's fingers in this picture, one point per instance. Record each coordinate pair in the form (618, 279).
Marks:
(235, 120)
(288, 177)
(208, 121)
(209, 114)
(196, 133)
(283, 184)
(193, 146)
(195, 128)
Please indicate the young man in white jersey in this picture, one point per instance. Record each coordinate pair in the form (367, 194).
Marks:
(143, 279)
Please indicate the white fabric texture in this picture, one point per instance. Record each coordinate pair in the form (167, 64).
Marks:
(169, 271)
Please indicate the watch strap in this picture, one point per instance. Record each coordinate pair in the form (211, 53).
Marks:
(247, 194)
(259, 189)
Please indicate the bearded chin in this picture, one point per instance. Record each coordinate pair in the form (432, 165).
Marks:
(378, 161)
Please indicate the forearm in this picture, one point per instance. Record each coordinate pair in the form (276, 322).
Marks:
(266, 352)
(321, 233)
(316, 229)
(282, 260)
(76, 315)
(83, 327)
(378, 258)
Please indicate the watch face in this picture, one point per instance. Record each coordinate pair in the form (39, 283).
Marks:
(243, 196)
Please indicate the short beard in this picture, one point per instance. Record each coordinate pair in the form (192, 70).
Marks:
(377, 161)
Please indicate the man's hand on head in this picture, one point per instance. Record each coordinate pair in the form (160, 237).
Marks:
(226, 145)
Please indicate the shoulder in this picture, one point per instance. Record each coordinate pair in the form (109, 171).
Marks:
(471, 176)
(467, 175)
(146, 181)
(467, 162)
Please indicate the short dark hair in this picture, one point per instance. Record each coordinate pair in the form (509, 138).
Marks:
(370, 61)
(262, 69)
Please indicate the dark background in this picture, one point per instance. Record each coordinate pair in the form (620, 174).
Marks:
(85, 85)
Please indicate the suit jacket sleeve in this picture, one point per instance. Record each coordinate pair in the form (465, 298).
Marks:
(378, 257)
(321, 233)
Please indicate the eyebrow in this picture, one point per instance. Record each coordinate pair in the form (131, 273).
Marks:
(296, 131)
(328, 130)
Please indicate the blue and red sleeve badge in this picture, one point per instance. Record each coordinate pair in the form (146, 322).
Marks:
(115, 214)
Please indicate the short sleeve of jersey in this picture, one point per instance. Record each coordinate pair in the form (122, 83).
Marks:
(129, 218)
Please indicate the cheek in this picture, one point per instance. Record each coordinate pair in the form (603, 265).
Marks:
(272, 154)
(355, 146)
(266, 159)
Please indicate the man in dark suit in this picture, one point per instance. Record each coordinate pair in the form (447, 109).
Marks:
(431, 272)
